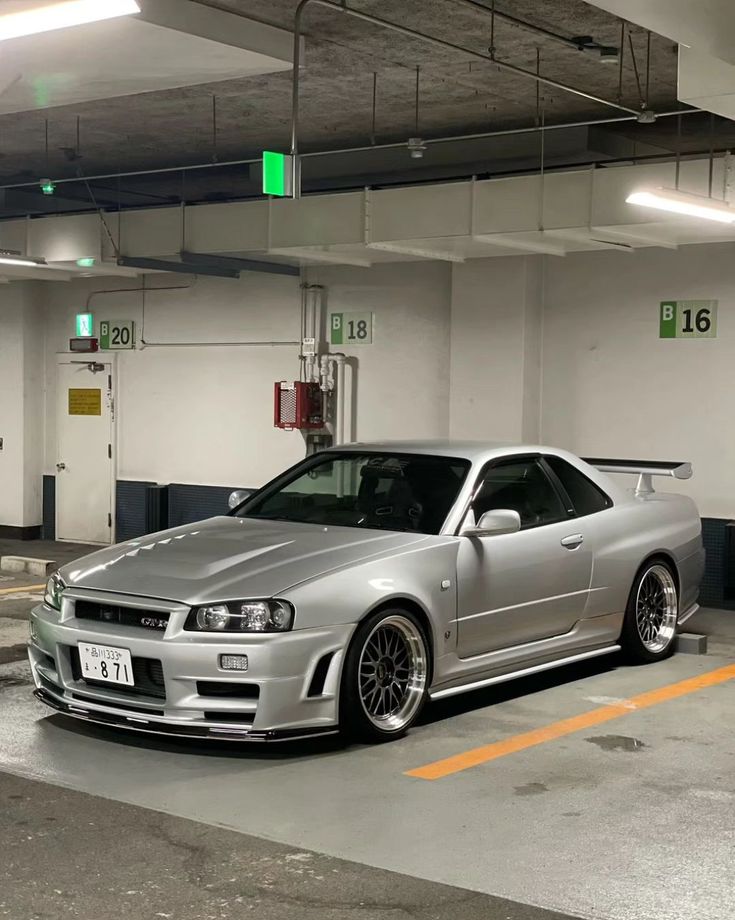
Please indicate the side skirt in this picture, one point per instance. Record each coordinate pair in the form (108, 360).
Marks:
(523, 672)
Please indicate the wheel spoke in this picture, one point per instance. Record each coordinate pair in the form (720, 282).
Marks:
(656, 606)
(391, 673)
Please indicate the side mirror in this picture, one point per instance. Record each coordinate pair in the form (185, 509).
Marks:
(492, 523)
(238, 497)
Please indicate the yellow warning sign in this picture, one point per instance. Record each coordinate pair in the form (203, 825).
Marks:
(85, 402)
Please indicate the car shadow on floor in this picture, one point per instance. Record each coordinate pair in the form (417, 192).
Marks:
(519, 687)
(434, 714)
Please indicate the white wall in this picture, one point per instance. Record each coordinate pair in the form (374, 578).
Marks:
(496, 348)
(402, 379)
(562, 350)
(205, 414)
(612, 387)
(21, 405)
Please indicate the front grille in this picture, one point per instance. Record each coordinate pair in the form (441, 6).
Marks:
(147, 674)
(125, 616)
(231, 689)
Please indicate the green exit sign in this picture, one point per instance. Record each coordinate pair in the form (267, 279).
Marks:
(84, 325)
(277, 174)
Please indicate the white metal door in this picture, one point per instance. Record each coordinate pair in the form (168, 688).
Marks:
(85, 482)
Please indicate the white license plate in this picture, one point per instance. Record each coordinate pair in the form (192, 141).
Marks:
(103, 662)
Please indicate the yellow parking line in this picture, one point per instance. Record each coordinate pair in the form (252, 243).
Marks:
(21, 588)
(479, 755)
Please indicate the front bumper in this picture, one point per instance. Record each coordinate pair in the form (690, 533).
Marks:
(290, 689)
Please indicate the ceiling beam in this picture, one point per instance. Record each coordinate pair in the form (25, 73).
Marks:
(633, 236)
(508, 241)
(236, 264)
(322, 256)
(421, 252)
(181, 268)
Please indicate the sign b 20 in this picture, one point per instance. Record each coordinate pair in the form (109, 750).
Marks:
(117, 335)
(688, 319)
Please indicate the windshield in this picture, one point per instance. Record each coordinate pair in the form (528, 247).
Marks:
(383, 491)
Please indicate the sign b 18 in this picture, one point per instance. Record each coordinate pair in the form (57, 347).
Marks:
(688, 319)
(351, 329)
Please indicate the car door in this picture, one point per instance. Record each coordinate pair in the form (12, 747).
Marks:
(521, 587)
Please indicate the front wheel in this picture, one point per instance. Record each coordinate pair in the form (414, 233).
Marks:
(385, 677)
(649, 629)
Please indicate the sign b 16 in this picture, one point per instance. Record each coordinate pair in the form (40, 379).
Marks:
(688, 319)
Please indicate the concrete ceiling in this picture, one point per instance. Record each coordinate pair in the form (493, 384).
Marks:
(458, 96)
(165, 46)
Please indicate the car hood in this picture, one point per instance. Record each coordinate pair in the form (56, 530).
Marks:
(228, 558)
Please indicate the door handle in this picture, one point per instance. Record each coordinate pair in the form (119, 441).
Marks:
(60, 466)
(573, 541)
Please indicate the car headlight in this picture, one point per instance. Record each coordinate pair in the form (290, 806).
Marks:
(242, 616)
(54, 587)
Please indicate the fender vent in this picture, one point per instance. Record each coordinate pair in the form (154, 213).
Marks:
(316, 687)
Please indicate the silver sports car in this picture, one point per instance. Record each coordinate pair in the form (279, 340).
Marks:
(364, 581)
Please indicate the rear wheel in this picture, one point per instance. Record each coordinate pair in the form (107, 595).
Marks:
(649, 630)
(385, 677)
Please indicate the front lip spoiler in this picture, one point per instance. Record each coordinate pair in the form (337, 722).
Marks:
(152, 726)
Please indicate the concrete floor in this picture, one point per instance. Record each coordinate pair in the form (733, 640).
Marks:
(629, 820)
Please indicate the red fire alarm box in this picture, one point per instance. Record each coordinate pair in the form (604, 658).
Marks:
(298, 405)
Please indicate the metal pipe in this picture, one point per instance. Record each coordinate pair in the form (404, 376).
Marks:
(339, 427)
(459, 138)
(147, 344)
(137, 290)
(522, 23)
(418, 36)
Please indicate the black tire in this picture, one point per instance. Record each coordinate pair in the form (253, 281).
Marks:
(649, 627)
(404, 687)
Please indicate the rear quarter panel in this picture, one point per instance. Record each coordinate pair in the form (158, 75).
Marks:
(632, 531)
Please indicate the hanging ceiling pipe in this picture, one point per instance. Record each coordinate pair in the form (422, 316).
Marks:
(314, 154)
(522, 23)
(418, 36)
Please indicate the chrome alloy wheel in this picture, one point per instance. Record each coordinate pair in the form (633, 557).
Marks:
(656, 608)
(392, 673)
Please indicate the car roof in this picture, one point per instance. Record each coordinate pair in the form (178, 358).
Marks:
(475, 451)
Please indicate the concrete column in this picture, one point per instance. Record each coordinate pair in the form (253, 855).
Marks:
(21, 408)
(496, 325)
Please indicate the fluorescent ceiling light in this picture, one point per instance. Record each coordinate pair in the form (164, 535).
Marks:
(668, 199)
(8, 257)
(53, 16)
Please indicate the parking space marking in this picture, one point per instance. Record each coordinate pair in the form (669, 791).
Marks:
(22, 589)
(487, 752)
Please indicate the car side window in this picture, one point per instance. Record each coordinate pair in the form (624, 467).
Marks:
(586, 497)
(522, 486)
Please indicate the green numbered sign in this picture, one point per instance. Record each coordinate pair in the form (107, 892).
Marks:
(351, 329)
(688, 319)
(117, 334)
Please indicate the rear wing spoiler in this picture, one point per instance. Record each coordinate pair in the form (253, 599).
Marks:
(644, 469)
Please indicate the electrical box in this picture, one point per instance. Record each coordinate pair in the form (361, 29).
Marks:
(84, 344)
(298, 405)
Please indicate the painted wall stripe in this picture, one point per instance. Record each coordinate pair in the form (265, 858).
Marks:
(488, 752)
